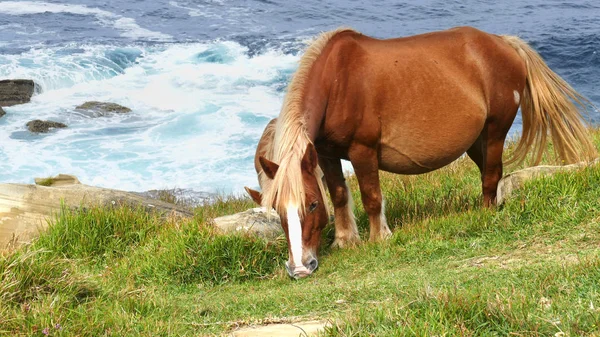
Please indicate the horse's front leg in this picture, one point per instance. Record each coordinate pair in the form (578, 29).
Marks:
(346, 232)
(366, 167)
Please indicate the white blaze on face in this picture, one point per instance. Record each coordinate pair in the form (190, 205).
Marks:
(295, 234)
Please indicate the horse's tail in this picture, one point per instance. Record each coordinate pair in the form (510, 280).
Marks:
(550, 105)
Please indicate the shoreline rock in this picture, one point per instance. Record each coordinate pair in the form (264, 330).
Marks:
(39, 126)
(253, 221)
(13, 92)
(2, 112)
(25, 209)
(515, 180)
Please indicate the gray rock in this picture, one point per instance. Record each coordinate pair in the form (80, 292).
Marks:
(254, 221)
(39, 126)
(2, 112)
(517, 179)
(26, 209)
(101, 109)
(13, 92)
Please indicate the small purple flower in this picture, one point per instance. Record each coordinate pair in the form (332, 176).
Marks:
(57, 326)
(46, 331)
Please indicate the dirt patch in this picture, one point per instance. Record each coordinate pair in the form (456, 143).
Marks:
(306, 328)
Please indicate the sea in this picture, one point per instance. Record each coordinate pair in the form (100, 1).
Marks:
(204, 77)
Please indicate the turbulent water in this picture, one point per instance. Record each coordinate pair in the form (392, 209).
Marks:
(204, 77)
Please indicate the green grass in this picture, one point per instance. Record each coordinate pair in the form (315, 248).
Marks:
(46, 182)
(452, 268)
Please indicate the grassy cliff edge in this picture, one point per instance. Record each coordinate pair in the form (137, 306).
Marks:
(528, 268)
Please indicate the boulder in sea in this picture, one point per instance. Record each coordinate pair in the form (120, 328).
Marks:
(39, 126)
(101, 109)
(517, 179)
(2, 112)
(253, 221)
(13, 92)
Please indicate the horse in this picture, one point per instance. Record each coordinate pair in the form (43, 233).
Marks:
(405, 105)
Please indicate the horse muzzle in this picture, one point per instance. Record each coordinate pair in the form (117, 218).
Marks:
(302, 271)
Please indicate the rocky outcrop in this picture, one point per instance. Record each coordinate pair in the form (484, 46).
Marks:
(101, 109)
(253, 221)
(39, 126)
(517, 179)
(13, 92)
(2, 112)
(26, 209)
(59, 180)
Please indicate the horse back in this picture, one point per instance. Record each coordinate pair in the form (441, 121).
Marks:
(459, 58)
(408, 96)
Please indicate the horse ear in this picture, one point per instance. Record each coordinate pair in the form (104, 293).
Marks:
(310, 159)
(255, 195)
(269, 167)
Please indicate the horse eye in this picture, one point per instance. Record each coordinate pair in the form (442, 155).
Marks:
(313, 206)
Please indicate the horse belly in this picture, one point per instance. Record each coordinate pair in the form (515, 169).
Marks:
(398, 161)
(431, 141)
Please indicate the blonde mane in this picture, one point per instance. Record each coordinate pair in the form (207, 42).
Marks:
(291, 138)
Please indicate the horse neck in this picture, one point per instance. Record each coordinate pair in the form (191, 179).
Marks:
(315, 96)
(300, 122)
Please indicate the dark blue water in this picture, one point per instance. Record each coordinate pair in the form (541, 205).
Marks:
(204, 77)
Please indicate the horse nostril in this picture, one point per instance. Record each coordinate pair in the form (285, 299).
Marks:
(313, 264)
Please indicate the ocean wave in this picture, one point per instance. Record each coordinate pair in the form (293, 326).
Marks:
(200, 107)
(198, 111)
(128, 26)
(64, 67)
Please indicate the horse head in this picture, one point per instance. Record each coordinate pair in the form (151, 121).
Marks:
(302, 222)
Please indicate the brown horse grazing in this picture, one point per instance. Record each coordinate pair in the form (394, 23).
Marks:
(407, 105)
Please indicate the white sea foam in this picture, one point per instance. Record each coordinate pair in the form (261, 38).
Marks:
(128, 26)
(204, 9)
(194, 12)
(198, 112)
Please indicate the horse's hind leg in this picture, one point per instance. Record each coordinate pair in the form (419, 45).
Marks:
(366, 167)
(486, 152)
(488, 157)
(346, 232)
